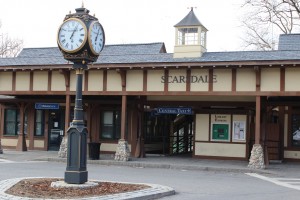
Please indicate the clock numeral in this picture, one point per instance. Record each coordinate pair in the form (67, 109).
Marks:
(63, 41)
(67, 45)
(80, 40)
(81, 29)
(71, 46)
(81, 34)
(62, 35)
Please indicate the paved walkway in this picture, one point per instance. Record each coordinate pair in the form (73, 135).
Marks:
(153, 161)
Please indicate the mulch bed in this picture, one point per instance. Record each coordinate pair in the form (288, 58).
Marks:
(41, 188)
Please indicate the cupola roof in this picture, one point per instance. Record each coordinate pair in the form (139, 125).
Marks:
(189, 20)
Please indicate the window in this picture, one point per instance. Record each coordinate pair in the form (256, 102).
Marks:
(202, 38)
(188, 36)
(11, 122)
(296, 130)
(39, 123)
(110, 125)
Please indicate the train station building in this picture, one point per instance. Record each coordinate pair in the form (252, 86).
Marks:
(241, 105)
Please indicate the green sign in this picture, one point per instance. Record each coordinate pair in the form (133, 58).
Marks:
(220, 132)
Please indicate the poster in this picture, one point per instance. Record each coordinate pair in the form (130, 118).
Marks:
(220, 132)
(239, 130)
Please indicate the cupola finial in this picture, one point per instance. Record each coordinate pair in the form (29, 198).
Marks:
(192, 8)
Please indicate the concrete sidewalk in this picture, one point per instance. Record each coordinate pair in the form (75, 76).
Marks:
(182, 162)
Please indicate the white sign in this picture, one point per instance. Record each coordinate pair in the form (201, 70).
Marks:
(239, 130)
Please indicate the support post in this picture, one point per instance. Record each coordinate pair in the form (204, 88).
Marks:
(257, 160)
(139, 151)
(123, 152)
(21, 145)
(76, 172)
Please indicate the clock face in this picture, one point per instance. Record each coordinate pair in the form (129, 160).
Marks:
(96, 37)
(72, 35)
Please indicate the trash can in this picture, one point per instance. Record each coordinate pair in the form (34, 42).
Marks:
(94, 150)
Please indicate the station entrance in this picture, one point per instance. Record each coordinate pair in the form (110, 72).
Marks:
(168, 134)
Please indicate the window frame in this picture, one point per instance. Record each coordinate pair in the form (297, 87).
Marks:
(294, 129)
(188, 36)
(16, 121)
(41, 122)
(116, 125)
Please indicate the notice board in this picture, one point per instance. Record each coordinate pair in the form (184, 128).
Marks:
(220, 132)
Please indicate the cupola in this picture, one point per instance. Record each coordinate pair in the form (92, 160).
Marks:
(190, 37)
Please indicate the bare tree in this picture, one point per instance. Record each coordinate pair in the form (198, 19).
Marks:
(265, 19)
(9, 47)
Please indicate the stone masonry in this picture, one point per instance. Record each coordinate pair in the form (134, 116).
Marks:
(257, 160)
(123, 152)
(1, 150)
(62, 153)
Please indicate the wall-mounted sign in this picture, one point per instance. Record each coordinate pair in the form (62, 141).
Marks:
(168, 110)
(220, 118)
(220, 132)
(192, 79)
(46, 106)
(239, 130)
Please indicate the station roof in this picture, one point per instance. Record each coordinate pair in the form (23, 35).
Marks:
(155, 53)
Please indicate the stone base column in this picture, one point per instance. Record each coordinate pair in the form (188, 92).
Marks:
(62, 153)
(1, 150)
(123, 152)
(257, 160)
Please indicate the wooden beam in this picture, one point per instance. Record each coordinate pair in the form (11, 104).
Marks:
(123, 116)
(21, 145)
(257, 120)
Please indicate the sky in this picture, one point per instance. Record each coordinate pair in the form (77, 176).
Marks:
(36, 22)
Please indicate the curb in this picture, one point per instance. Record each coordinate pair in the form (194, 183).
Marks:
(138, 164)
(155, 191)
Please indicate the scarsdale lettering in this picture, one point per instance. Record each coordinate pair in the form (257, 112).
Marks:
(190, 79)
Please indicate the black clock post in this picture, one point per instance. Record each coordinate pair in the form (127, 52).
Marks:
(80, 44)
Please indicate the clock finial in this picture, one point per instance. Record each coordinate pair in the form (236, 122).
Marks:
(82, 5)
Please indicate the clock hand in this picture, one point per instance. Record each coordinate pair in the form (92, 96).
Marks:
(97, 35)
(74, 31)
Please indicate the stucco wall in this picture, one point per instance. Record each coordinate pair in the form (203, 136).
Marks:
(220, 149)
(134, 80)
(245, 80)
(95, 82)
(113, 81)
(40, 80)
(58, 81)
(202, 127)
(292, 80)
(6, 81)
(270, 79)
(22, 81)
(38, 143)
(154, 81)
(223, 80)
(198, 84)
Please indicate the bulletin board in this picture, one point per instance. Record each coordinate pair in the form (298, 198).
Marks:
(220, 132)
(239, 130)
